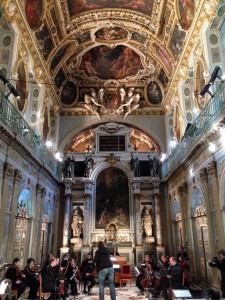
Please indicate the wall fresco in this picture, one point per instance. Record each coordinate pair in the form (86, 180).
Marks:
(34, 12)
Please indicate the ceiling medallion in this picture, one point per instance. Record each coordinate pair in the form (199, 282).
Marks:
(112, 100)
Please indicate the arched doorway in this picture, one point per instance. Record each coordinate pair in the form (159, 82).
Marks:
(24, 219)
(200, 238)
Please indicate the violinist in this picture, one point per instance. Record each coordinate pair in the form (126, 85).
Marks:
(31, 278)
(146, 269)
(49, 277)
(87, 271)
(71, 273)
(183, 260)
(17, 277)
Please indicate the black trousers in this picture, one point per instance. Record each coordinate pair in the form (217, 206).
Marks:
(138, 282)
(87, 279)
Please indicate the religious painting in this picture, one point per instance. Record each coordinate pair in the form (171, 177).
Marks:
(59, 56)
(45, 41)
(138, 37)
(79, 6)
(34, 12)
(154, 93)
(107, 63)
(177, 41)
(163, 78)
(199, 85)
(111, 33)
(186, 11)
(21, 87)
(59, 78)
(164, 57)
(84, 37)
(69, 93)
(112, 199)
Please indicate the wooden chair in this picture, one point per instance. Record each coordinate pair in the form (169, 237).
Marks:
(42, 294)
(125, 275)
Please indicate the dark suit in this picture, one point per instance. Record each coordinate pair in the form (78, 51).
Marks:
(49, 281)
(13, 274)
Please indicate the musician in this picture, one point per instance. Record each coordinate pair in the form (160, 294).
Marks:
(71, 274)
(61, 283)
(183, 260)
(31, 278)
(220, 264)
(49, 277)
(65, 260)
(87, 271)
(147, 267)
(17, 277)
(165, 262)
(171, 278)
(182, 255)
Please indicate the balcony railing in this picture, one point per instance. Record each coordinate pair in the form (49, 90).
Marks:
(213, 109)
(11, 117)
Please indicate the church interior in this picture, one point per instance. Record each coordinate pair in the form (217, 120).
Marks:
(112, 121)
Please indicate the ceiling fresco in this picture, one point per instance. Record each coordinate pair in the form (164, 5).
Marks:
(117, 45)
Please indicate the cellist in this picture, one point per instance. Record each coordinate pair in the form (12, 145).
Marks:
(146, 269)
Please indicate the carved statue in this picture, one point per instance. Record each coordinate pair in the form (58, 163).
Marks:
(77, 222)
(135, 166)
(112, 100)
(147, 221)
(88, 162)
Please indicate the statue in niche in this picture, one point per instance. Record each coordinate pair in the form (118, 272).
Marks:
(88, 163)
(147, 221)
(77, 222)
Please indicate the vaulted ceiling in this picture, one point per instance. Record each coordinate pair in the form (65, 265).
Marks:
(105, 45)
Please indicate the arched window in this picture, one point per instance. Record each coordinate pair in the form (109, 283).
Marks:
(197, 202)
(25, 204)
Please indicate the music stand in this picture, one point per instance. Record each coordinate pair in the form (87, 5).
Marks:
(182, 294)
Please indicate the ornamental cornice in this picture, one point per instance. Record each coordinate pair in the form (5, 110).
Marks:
(205, 9)
(203, 174)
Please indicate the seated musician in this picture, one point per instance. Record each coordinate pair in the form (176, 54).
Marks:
(31, 278)
(71, 274)
(87, 271)
(49, 277)
(183, 260)
(61, 282)
(147, 267)
(17, 277)
(171, 277)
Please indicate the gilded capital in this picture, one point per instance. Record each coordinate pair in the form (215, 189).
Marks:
(212, 168)
(203, 174)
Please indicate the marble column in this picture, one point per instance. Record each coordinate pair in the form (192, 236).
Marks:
(158, 219)
(137, 212)
(205, 185)
(219, 234)
(88, 188)
(67, 212)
